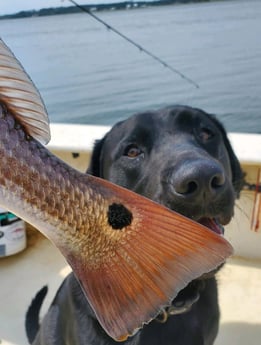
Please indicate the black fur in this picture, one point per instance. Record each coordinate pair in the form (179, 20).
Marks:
(32, 316)
(180, 157)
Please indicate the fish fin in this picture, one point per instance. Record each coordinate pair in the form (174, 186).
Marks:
(19, 94)
(160, 253)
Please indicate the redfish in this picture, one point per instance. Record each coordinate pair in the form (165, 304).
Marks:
(130, 255)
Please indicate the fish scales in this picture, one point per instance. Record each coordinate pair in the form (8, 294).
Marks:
(41, 182)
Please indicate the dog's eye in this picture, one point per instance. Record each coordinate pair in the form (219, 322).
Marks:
(132, 151)
(205, 134)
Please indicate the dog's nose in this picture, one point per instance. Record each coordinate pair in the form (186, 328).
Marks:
(198, 178)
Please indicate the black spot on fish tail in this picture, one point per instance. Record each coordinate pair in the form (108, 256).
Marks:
(119, 216)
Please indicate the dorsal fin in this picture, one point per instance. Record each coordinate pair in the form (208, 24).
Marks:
(21, 97)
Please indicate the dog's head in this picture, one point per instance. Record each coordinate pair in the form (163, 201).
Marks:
(178, 156)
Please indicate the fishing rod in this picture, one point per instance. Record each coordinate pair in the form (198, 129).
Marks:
(126, 38)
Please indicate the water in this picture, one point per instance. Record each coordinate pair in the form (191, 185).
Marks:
(87, 74)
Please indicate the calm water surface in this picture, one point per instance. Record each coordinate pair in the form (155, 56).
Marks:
(87, 74)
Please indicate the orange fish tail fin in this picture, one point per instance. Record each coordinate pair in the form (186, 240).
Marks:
(159, 253)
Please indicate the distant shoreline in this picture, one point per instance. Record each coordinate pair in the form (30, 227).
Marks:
(124, 5)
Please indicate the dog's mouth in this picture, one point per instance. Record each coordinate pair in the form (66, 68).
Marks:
(213, 224)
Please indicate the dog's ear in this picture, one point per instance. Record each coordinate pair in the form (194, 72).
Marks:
(95, 161)
(237, 173)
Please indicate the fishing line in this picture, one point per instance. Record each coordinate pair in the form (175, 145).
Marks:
(141, 49)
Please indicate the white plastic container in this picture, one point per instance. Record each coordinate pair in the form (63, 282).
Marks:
(12, 234)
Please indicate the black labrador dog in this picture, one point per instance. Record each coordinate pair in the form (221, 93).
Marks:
(179, 157)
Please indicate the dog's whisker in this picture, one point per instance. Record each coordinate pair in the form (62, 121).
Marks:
(243, 212)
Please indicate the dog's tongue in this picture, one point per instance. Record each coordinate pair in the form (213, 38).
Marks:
(212, 224)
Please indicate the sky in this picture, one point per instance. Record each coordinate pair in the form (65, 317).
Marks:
(13, 6)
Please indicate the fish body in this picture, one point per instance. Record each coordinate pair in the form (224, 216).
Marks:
(67, 204)
(130, 255)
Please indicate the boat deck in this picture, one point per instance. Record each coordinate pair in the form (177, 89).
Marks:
(25, 273)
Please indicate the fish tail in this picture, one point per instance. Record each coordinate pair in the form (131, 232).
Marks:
(162, 252)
